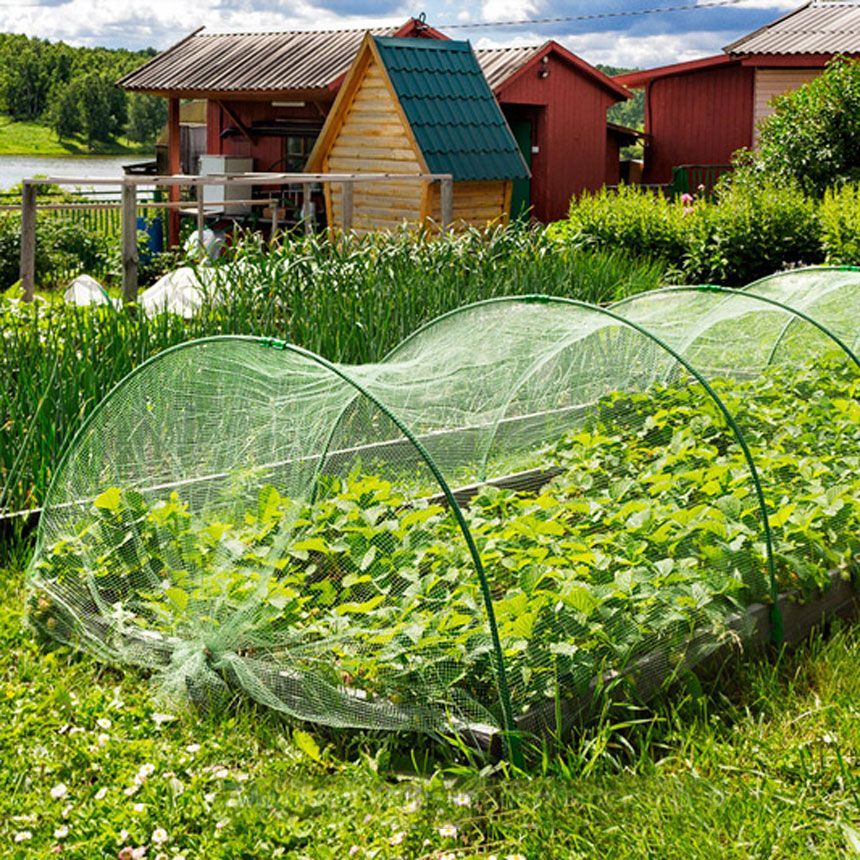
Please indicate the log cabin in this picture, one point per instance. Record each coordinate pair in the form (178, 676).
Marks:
(412, 106)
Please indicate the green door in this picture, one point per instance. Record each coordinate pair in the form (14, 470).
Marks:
(521, 193)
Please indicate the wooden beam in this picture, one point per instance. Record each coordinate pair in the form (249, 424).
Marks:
(446, 193)
(234, 117)
(28, 240)
(347, 205)
(174, 168)
(129, 243)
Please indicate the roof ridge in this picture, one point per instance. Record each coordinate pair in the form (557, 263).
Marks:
(319, 32)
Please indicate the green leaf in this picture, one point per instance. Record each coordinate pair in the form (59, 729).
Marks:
(359, 608)
(580, 599)
(109, 500)
(307, 745)
(314, 544)
(367, 559)
(177, 597)
(781, 517)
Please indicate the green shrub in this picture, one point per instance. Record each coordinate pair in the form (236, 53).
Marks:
(63, 249)
(840, 225)
(813, 137)
(636, 220)
(750, 231)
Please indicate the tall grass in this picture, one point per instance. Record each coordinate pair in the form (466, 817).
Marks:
(350, 301)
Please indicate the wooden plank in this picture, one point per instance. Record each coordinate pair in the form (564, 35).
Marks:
(129, 243)
(446, 197)
(347, 205)
(372, 155)
(28, 240)
(378, 165)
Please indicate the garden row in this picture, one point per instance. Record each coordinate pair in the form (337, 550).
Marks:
(351, 301)
(243, 514)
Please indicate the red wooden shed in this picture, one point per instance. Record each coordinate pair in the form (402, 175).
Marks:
(268, 95)
(556, 106)
(700, 112)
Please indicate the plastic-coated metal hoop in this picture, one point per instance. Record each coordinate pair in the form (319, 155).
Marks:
(776, 614)
(511, 737)
(733, 293)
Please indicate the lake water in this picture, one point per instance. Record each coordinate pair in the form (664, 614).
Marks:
(14, 168)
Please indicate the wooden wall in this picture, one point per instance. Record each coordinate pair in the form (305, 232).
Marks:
(770, 83)
(570, 133)
(374, 139)
(699, 117)
(476, 204)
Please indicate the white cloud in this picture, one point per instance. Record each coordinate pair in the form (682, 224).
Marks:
(636, 41)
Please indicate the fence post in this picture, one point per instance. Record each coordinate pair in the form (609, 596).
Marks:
(306, 209)
(346, 199)
(201, 217)
(28, 240)
(129, 242)
(447, 200)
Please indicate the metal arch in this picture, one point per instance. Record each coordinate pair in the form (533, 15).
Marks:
(511, 737)
(730, 293)
(730, 420)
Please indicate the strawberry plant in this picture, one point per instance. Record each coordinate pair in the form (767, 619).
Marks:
(363, 606)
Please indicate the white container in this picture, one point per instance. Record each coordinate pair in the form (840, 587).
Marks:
(218, 197)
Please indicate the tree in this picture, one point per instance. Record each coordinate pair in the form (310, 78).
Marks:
(26, 83)
(813, 137)
(66, 111)
(146, 116)
(103, 108)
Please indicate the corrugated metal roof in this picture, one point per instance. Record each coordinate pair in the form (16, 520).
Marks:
(249, 62)
(498, 64)
(454, 115)
(821, 27)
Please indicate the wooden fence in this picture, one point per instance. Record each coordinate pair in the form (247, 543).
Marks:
(126, 211)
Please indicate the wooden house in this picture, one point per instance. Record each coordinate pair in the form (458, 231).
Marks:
(412, 106)
(268, 95)
(700, 112)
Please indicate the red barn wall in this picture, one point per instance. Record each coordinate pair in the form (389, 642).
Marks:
(570, 133)
(266, 151)
(699, 117)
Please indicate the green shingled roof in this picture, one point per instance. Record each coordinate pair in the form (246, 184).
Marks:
(454, 115)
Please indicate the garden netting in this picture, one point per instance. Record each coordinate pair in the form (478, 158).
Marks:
(528, 500)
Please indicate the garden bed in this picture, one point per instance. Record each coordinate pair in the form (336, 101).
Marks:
(631, 548)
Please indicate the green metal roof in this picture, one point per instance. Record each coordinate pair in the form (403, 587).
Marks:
(454, 115)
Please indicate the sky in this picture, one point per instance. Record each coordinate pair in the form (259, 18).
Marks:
(630, 40)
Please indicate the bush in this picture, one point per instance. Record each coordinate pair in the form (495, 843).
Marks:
(840, 225)
(63, 250)
(751, 229)
(749, 232)
(639, 221)
(813, 137)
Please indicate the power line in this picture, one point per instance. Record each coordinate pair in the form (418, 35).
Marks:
(596, 16)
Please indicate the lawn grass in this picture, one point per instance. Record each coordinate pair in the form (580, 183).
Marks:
(31, 138)
(763, 762)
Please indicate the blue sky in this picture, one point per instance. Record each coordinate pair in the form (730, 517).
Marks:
(642, 41)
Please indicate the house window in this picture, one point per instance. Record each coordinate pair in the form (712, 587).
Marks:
(297, 148)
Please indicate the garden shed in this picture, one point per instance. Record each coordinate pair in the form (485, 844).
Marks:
(701, 111)
(412, 106)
